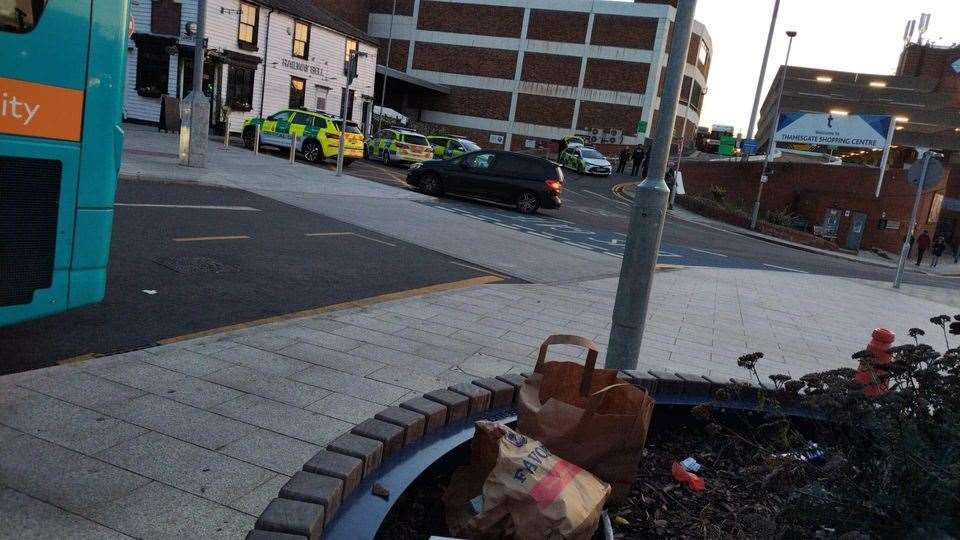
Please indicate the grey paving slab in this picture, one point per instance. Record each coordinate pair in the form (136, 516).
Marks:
(255, 502)
(187, 466)
(266, 341)
(178, 420)
(62, 477)
(78, 387)
(347, 408)
(271, 450)
(324, 323)
(164, 512)
(351, 385)
(169, 384)
(319, 337)
(63, 423)
(420, 382)
(8, 433)
(27, 518)
(349, 363)
(437, 340)
(400, 359)
(271, 415)
(186, 361)
(280, 389)
(482, 365)
(260, 360)
(365, 320)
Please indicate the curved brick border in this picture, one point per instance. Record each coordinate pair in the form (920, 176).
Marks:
(311, 498)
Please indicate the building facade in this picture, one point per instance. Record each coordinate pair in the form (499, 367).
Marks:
(515, 74)
(262, 56)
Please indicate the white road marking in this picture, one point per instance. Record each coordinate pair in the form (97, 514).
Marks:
(785, 268)
(709, 252)
(191, 206)
(365, 237)
(605, 198)
(665, 255)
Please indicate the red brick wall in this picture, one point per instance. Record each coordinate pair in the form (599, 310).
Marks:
(608, 116)
(547, 111)
(398, 54)
(616, 75)
(693, 49)
(470, 19)
(478, 61)
(468, 101)
(810, 189)
(354, 12)
(404, 7)
(551, 69)
(550, 25)
(621, 31)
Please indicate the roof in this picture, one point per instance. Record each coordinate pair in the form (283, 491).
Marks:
(305, 9)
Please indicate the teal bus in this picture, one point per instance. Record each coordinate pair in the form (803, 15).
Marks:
(62, 65)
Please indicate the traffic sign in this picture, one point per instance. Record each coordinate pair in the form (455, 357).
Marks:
(749, 146)
(934, 173)
(641, 126)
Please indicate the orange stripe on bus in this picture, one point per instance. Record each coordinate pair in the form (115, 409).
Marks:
(40, 110)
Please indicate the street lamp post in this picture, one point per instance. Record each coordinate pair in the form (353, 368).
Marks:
(386, 63)
(763, 71)
(683, 134)
(351, 72)
(771, 144)
(196, 107)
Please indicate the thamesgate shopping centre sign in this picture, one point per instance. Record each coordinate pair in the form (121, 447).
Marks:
(857, 130)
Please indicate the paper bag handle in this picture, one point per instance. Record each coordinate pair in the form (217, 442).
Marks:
(567, 339)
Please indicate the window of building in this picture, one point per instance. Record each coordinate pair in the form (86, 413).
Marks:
(301, 39)
(703, 54)
(153, 69)
(298, 88)
(352, 45)
(165, 17)
(240, 81)
(343, 94)
(247, 31)
(20, 16)
(322, 93)
(696, 98)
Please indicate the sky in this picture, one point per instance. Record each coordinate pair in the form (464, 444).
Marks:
(863, 36)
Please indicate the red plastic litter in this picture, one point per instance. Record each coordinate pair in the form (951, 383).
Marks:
(684, 476)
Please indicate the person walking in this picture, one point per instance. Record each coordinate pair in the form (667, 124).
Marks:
(938, 246)
(956, 251)
(923, 242)
(638, 157)
(622, 162)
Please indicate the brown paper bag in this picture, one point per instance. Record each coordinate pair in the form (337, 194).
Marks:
(586, 415)
(531, 494)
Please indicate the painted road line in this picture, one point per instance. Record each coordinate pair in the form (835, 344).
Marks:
(708, 252)
(365, 237)
(363, 302)
(605, 198)
(785, 268)
(190, 206)
(79, 358)
(209, 238)
(477, 268)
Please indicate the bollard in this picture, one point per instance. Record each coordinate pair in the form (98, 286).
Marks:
(874, 380)
(226, 135)
(293, 149)
(256, 141)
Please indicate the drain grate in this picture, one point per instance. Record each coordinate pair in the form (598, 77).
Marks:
(196, 265)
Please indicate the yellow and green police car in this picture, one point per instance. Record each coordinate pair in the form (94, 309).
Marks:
(451, 146)
(585, 160)
(397, 145)
(318, 134)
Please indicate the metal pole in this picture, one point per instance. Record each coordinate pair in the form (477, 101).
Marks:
(198, 47)
(386, 63)
(293, 149)
(905, 250)
(763, 71)
(649, 211)
(343, 128)
(226, 134)
(771, 144)
(886, 154)
(195, 112)
(683, 135)
(256, 141)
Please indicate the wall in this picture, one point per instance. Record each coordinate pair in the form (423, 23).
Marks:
(810, 189)
(354, 12)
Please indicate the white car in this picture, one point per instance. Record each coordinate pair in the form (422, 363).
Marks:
(585, 160)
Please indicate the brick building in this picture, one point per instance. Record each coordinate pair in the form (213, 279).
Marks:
(522, 73)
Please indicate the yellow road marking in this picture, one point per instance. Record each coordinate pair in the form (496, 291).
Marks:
(79, 358)
(441, 287)
(477, 268)
(205, 238)
(618, 191)
(365, 237)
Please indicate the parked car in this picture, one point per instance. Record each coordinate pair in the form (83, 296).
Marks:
(399, 146)
(318, 134)
(527, 183)
(450, 146)
(585, 160)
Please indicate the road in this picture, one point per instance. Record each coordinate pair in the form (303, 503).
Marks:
(187, 259)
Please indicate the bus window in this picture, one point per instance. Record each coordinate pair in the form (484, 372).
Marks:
(20, 16)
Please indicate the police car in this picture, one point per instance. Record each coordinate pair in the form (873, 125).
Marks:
(585, 160)
(397, 145)
(318, 134)
(451, 146)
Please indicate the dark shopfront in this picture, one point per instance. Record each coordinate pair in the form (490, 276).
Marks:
(228, 75)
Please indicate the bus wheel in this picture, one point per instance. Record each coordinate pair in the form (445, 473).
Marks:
(248, 137)
(311, 151)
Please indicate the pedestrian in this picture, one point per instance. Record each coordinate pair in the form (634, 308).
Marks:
(938, 246)
(956, 251)
(923, 242)
(638, 157)
(622, 162)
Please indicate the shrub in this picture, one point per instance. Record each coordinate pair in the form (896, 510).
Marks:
(719, 193)
(783, 217)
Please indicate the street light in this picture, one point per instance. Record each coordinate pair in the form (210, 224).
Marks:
(351, 73)
(763, 71)
(773, 132)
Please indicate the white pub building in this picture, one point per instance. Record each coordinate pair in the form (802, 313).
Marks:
(262, 56)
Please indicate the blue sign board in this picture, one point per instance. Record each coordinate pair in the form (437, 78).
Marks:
(748, 146)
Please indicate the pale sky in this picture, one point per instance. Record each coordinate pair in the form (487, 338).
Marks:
(862, 36)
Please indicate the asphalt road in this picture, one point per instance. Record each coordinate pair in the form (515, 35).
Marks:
(197, 258)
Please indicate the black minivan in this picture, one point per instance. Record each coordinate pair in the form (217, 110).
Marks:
(525, 182)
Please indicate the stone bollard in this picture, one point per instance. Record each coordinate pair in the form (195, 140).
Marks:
(875, 380)
(256, 141)
(293, 148)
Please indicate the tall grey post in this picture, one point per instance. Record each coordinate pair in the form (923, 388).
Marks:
(649, 211)
(386, 64)
(905, 250)
(195, 110)
(763, 71)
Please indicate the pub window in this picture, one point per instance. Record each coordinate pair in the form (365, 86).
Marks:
(351, 46)
(297, 92)
(153, 69)
(240, 88)
(301, 39)
(247, 31)
(322, 93)
(165, 17)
